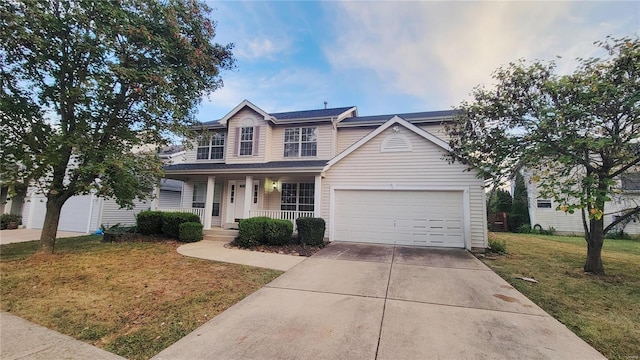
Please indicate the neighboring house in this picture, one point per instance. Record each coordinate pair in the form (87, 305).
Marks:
(86, 213)
(542, 211)
(374, 179)
(10, 201)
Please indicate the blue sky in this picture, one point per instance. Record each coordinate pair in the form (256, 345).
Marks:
(395, 57)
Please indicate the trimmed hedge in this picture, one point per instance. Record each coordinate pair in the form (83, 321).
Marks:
(311, 230)
(171, 222)
(190, 232)
(278, 232)
(149, 222)
(251, 231)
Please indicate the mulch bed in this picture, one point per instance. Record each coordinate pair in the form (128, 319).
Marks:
(293, 249)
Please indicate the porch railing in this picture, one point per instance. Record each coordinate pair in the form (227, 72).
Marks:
(282, 215)
(197, 211)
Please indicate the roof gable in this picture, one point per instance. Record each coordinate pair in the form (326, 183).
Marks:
(242, 105)
(393, 121)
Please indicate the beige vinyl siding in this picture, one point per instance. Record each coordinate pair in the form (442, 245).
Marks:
(190, 152)
(230, 147)
(187, 193)
(436, 129)
(112, 214)
(422, 167)
(349, 136)
(324, 145)
(169, 199)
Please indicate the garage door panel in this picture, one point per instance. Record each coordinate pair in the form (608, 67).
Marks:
(419, 218)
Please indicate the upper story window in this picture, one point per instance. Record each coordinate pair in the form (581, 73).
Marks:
(211, 147)
(246, 140)
(300, 142)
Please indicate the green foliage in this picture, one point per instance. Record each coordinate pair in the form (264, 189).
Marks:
(171, 222)
(520, 205)
(573, 133)
(538, 229)
(500, 201)
(5, 219)
(113, 78)
(618, 235)
(251, 231)
(190, 232)
(516, 221)
(311, 231)
(278, 232)
(524, 228)
(149, 222)
(497, 246)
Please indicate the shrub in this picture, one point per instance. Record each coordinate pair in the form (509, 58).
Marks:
(190, 232)
(497, 246)
(171, 222)
(5, 219)
(515, 221)
(251, 231)
(311, 231)
(278, 232)
(524, 229)
(149, 222)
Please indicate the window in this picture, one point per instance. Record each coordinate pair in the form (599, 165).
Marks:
(199, 195)
(256, 188)
(298, 197)
(630, 181)
(217, 197)
(232, 194)
(246, 141)
(211, 147)
(300, 142)
(544, 204)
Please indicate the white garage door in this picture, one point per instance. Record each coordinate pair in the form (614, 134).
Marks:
(417, 218)
(75, 215)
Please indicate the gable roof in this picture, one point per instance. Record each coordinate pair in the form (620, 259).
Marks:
(242, 105)
(417, 117)
(395, 120)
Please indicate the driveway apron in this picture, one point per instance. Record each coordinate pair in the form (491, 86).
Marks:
(360, 301)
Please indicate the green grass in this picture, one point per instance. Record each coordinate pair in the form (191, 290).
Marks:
(133, 299)
(602, 310)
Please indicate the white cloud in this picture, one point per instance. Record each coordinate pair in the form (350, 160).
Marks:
(441, 50)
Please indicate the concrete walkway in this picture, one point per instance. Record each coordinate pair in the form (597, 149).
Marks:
(23, 235)
(21, 339)
(215, 250)
(352, 301)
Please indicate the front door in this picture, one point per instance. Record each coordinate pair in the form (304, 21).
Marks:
(238, 206)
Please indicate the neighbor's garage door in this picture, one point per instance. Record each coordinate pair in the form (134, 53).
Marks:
(75, 215)
(418, 218)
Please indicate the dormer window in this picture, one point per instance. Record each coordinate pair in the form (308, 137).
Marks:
(211, 147)
(300, 142)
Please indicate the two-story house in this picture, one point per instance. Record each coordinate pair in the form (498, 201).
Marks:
(375, 179)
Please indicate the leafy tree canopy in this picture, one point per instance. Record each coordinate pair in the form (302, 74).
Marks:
(87, 86)
(576, 134)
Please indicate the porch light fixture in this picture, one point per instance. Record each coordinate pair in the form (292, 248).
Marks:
(275, 186)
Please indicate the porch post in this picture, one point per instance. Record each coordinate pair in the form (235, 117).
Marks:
(208, 204)
(317, 196)
(248, 195)
(156, 197)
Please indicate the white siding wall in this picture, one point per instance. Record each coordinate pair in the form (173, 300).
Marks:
(169, 199)
(423, 167)
(437, 130)
(566, 223)
(324, 150)
(112, 214)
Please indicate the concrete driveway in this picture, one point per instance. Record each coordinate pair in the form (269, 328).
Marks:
(355, 301)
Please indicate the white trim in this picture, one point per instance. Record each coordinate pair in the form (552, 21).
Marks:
(344, 114)
(208, 204)
(248, 196)
(395, 120)
(240, 106)
(466, 202)
(317, 193)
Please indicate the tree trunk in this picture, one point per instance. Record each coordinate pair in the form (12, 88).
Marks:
(50, 227)
(595, 241)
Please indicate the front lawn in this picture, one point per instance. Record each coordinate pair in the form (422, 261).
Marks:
(132, 299)
(602, 310)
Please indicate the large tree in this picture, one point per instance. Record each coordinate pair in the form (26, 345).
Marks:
(577, 135)
(87, 86)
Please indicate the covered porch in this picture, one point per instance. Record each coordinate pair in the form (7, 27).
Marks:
(222, 199)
